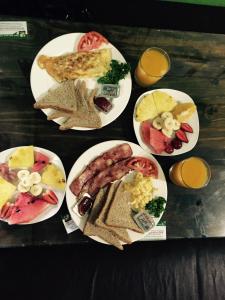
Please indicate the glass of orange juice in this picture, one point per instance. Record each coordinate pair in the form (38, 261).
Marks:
(153, 64)
(193, 172)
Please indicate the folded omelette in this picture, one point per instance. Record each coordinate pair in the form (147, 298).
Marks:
(77, 65)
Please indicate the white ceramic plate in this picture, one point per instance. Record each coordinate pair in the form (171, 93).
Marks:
(52, 209)
(160, 183)
(194, 122)
(41, 81)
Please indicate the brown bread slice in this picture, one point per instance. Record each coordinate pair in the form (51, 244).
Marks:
(91, 229)
(120, 213)
(62, 97)
(100, 221)
(85, 119)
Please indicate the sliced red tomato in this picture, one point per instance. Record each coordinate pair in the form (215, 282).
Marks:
(144, 165)
(91, 40)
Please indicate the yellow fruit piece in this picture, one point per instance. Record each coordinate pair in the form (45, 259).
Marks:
(183, 111)
(6, 191)
(53, 177)
(146, 109)
(163, 102)
(22, 158)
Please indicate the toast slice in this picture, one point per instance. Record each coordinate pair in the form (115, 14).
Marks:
(91, 229)
(62, 97)
(100, 221)
(120, 212)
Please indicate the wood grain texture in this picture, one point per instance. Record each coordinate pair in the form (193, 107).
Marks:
(197, 68)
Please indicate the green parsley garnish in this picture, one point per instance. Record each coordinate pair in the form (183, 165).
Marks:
(155, 206)
(118, 71)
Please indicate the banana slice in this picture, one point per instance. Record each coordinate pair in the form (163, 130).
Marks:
(166, 115)
(23, 189)
(23, 174)
(157, 123)
(176, 125)
(167, 132)
(26, 182)
(35, 178)
(168, 123)
(36, 189)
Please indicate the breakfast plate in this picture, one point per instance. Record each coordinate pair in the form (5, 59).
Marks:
(9, 178)
(41, 81)
(193, 123)
(159, 183)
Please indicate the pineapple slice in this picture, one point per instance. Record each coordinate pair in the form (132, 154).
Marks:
(53, 177)
(22, 158)
(6, 191)
(163, 102)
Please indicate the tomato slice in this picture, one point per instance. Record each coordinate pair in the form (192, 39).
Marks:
(144, 165)
(91, 40)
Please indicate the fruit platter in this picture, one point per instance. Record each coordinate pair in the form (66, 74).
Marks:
(116, 192)
(80, 81)
(166, 122)
(32, 185)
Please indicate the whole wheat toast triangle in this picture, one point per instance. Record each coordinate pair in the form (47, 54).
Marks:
(100, 221)
(90, 229)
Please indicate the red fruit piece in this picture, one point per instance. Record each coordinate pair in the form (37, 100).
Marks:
(4, 210)
(186, 127)
(41, 161)
(169, 149)
(50, 197)
(177, 144)
(181, 135)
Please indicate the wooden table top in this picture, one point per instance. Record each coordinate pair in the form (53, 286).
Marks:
(197, 68)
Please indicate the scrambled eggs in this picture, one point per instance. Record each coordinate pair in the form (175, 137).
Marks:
(141, 190)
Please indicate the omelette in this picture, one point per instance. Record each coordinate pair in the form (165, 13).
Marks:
(77, 65)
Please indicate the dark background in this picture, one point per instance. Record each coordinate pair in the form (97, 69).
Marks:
(182, 269)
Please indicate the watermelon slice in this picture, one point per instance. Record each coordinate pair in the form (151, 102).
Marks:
(145, 132)
(26, 208)
(158, 140)
(153, 138)
(40, 161)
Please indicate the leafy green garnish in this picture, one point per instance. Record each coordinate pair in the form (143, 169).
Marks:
(118, 71)
(155, 206)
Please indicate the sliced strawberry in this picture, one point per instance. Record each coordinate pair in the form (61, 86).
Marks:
(181, 135)
(50, 197)
(186, 127)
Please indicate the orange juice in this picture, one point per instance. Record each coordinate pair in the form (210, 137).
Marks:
(152, 66)
(192, 172)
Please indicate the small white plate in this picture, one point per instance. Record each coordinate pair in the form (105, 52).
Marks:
(89, 155)
(193, 122)
(51, 210)
(41, 81)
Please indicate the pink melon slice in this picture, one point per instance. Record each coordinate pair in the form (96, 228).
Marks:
(26, 208)
(41, 160)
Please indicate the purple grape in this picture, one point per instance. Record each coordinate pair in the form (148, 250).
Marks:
(177, 144)
(103, 104)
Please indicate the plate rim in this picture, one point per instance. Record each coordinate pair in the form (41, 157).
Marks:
(63, 193)
(128, 78)
(71, 177)
(136, 125)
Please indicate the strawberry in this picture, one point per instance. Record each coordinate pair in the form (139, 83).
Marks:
(50, 197)
(181, 135)
(186, 127)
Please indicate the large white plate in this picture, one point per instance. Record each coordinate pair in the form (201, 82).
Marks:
(194, 122)
(160, 183)
(41, 81)
(52, 209)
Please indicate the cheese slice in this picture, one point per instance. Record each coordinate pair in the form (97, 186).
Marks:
(7, 189)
